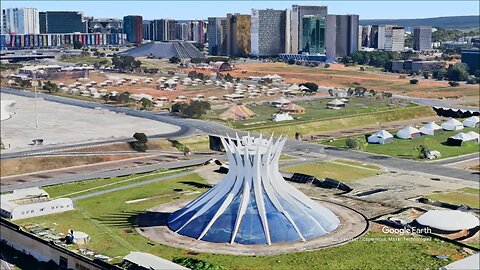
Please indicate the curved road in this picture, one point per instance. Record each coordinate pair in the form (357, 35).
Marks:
(192, 126)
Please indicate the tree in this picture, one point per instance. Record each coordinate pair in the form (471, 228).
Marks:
(124, 97)
(174, 59)
(457, 72)
(353, 143)
(312, 87)
(326, 66)
(50, 87)
(141, 143)
(413, 81)
(77, 44)
(291, 61)
(439, 74)
(146, 103)
(426, 74)
(195, 109)
(125, 62)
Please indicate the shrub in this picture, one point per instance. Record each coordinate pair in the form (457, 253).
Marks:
(327, 66)
(413, 81)
(426, 74)
(291, 61)
(196, 264)
(353, 143)
(471, 80)
(453, 84)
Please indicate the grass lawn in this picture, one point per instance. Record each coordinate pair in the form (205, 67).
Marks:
(339, 170)
(108, 221)
(318, 119)
(88, 60)
(409, 148)
(75, 189)
(466, 196)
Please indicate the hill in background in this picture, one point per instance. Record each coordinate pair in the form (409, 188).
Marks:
(454, 22)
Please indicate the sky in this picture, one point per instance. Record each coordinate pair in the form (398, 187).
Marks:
(203, 9)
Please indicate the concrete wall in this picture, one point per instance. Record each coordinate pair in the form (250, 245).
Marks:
(45, 251)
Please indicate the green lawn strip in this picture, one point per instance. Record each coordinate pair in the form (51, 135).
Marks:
(342, 172)
(75, 189)
(284, 157)
(87, 60)
(475, 191)
(343, 122)
(409, 148)
(358, 164)
(471, 200)
(108, 221)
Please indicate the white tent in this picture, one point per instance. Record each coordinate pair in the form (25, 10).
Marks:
(459, 139)
(381, 137)
(448, 220)
(335, 104)
(474, 135)
(281, 101)
(471, 121)
(452, 124)
(430, 128)
(279, 117)
(408, 133)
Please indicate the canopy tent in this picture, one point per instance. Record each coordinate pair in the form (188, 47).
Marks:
(452, 124)
(279, 117)
(281, 101)
(472, 121)
(459, 139)
(236, 112)
(448, 220)
(408, 133)
(381, 137)
(335, 104)
(430, 128)
(293, 108)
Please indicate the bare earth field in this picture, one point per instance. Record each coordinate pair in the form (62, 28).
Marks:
(60, 124)
(340, 76)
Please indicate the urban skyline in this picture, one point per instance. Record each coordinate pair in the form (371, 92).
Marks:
(182, 9)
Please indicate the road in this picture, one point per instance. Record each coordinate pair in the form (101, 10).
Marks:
(192, 126)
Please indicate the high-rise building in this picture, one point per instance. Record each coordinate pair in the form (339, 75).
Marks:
(238, 34)
(471, 58)
(182, 31)
(163, 30)
(377, 37)
(267, 32)
(296, 24)
(366, 35)
(198, 30)
(341, 35)
(216, 35)
(133, 27)
(55, 22)
(20, 21)
(394, 38)
(147, 33)
(105, 26)
(313, 34)
(422, 38)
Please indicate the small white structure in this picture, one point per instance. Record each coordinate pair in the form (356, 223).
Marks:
(474, 136)
(279, 117)
(471, 262)
(5, 105)
(472, 121)
(31, 202)
(335, 104)
(452, 124)
(381, 137)
(280, 102)
(408, 133)
(460, 138)
(448, 220)
(430, 128)
(77, 237)
(149, 261)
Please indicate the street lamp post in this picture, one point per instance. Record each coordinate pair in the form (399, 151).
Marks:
(35, 84)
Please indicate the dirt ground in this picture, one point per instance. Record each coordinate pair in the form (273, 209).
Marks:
(338, 75)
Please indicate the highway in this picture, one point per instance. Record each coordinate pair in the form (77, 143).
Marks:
(191, 126)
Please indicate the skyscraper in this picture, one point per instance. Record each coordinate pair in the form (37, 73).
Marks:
(422, 38)
(147, 30)
(197, 28)
(394, 38)
(377, 37)
(182, 31)
(163, 30)
(296, 24)
(105, 25)
(216, 35)
(133, 27)
(238, 34)
(58, 22)
(20, 21)
(342, 35)
(365, 36)
(267, 32)
(313, 34)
